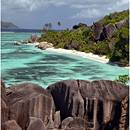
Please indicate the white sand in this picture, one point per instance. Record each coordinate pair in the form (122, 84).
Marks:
(91, 56)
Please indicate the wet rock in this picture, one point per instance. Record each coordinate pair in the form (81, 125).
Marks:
(67, 98)
(22, 42)
(29, 100)
(97, 30)
(122, 23)
(11, 125)
(34, 38)
(36, 124)
(16, 43)
(44, 45)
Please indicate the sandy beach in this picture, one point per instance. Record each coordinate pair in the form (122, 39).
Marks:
(102, 59)
(91, 56)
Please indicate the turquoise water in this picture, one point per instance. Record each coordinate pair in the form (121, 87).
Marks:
(26, 63)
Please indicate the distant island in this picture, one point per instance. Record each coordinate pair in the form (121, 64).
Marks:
(8, 25)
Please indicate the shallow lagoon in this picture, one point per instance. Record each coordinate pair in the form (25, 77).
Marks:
(26, 63)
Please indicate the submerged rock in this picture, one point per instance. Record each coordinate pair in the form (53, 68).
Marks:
(29, 100)
(16, 43)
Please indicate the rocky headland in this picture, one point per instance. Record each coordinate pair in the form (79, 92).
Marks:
(65, 105)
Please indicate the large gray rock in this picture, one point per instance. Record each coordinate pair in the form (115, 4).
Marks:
(97, 30)
(98, 102)
(44, 45)
(65, 122)
(11, 125)
(57, 120)
(36, 124)
(103, 102)
(67, 98)
(79, 25)
(122, 23)
(29, 100)
(34, 38)
(108, 31)
(4, 114)
(80, 123)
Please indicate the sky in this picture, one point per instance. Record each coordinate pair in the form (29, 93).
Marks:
(33, 14)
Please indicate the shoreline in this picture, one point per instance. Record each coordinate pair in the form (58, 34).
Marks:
(90, 56)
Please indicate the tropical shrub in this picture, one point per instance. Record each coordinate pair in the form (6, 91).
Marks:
(122, 79)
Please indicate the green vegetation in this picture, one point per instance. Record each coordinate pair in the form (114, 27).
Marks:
(39, 30)
(115, 17)
(59, 24)
(82, 39)
(115, 48)
(122, 79)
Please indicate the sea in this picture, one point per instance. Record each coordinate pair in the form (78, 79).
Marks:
(25, 63)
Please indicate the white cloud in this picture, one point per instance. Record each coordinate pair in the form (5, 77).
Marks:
(78, 9)
(88, 13)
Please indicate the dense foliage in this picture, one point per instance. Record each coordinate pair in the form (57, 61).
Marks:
(116, 48)
(122, 79)
(82, 39)
(115, 17)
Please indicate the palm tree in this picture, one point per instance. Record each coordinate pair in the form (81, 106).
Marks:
(50, 26)
(59, 24)
(44, 29)
(40, 30)
(46, 25)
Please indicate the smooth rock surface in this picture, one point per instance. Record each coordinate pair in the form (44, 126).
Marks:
(29, 100)
(108, 31)
(67, 98)
(44, 45)
(65, 122)
(122, 23)
(57, 120)
(36, 124)
(97, 30)
(98, 102)
(11, 125)
(80, 123)
(33, 38)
